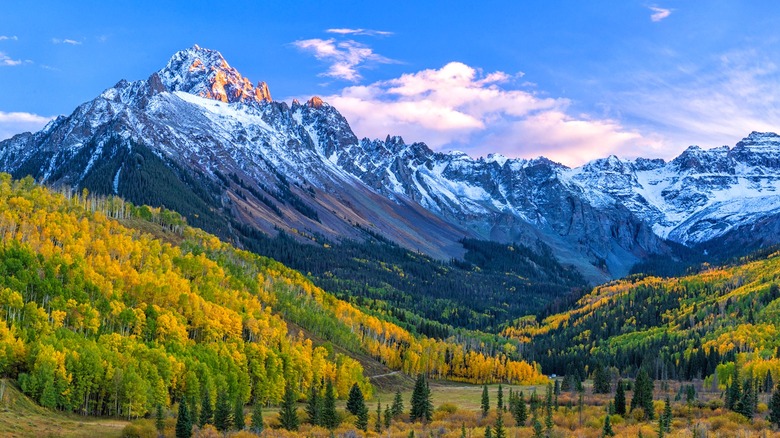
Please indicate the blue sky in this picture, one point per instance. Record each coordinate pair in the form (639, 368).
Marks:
(571, 80)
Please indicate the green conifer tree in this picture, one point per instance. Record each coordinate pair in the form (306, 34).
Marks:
(183, 421)
(257, 417)
(355, 400)
(488, 432)
(378, 425)
(422, 407)
(330, 417)
(239, 422)
(774, 407)
(222, 416)
(499, 430)
(288, 412)
(500, 398)
(398, 405)
(607, 430)
(620, 399)
(206, 409)
(159, 419)
(388, 416)
(314, 407)
(485, 401)
(519, 412)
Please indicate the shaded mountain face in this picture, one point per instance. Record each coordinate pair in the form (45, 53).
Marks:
(200, 138)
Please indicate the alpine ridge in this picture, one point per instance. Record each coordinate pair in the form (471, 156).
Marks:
(198, 137)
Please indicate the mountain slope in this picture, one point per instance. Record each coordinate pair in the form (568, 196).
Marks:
(198, 137)
(102, 319)
(679, 328)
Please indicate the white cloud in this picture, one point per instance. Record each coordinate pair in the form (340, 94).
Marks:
(460, 107)
(8, 61)
(659, 13)
(17, 122)
(6, 37)
(367, 32)
(345, 57)
(72, 42)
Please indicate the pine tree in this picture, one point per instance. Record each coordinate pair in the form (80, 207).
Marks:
(534, 402)
(769, 382)
(330, 418)
(557, 390)
(355, 400)
(378, 426)
(538, 429)
(388, 416)
(607, 431)
(288, 412)
(488, 432)
(183, 421)
(620, 399)
(734, 392)
(548, 409)
(159, 419)
(665, 422)
(422, 407)
(643, 394)
(749, 398)
(519, 412)
(774, 407)
(206, 410)
(238, 414)
(398, 405)
(462, 430)
(361, 422)
(257, 417)
(222, 415)
(601, 381)
(500, 398)
(314, 407)
(499, 430)
(485, 401)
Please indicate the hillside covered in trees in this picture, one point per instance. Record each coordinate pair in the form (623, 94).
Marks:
(100, 318)
(699, 326)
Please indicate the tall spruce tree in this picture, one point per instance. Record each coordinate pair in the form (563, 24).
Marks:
(548, 409)
(422, 407)
(355, 400)
(288, 412)
(500, 398)
(774, 407)
(607, 430)
(159, 419)
(314, 407)
(643, 394)
(222, 416)
(519, 412)
(665, 422)
(239, 422)
(769, 382)
(485, 401)
(257, 417)
(206, 410)
(601, 381)
(330, 418)
(378, 425)
(361, 422)
(499, 430)
(620, 399)
(398, 405)
(183, 421)
(388, 416)
(734, 392)
(488, 432)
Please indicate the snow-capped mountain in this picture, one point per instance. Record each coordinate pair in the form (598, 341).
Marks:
(198, 137)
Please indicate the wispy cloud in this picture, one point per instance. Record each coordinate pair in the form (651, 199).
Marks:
(17, 122)
(366, 32)
(713, 103)
(345, 57)
(8, 61)
(461, 107)
(6, 37)
(72, 42)
(659, 13)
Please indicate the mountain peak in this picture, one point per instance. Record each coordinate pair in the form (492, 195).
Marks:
(205, 72)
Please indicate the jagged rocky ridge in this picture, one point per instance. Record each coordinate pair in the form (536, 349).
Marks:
(199, 137)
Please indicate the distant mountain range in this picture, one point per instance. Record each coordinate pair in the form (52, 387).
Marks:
(200, 138)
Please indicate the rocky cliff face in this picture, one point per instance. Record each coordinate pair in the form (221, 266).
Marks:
(230, 156)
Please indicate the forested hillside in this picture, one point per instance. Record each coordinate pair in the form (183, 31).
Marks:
(102, 319)
(693, 327)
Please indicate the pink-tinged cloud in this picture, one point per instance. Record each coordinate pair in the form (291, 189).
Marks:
(460, 107)
(344, 57)
(17, 122)
(659, 13)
